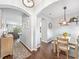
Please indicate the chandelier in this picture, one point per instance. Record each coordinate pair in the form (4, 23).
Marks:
(72, 19)
(64, 22)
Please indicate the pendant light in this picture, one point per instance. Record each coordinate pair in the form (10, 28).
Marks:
(64, 22)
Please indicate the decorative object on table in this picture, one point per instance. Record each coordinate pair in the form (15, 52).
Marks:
(28, 3)
(50, 25)
(65, 34)
(64, 22)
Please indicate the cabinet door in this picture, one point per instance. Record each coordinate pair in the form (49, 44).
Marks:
(6, 46)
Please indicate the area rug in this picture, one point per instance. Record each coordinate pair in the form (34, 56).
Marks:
(19, 51)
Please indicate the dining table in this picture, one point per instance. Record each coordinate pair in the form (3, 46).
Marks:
(71, 44)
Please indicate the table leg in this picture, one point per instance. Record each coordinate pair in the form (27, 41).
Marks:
(76, 52)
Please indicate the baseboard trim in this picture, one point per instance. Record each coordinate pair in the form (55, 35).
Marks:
(26, 47)
(47, 41)
(44, 41)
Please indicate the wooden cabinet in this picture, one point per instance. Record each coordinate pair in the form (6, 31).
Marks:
(6, 46)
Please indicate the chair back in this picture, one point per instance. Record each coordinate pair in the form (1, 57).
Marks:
(62, 42)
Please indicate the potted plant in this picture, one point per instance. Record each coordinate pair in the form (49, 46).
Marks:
(17, 29)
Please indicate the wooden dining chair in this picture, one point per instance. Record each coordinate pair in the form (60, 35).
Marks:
(62, 45)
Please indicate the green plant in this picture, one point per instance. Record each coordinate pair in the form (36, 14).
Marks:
(17, 29)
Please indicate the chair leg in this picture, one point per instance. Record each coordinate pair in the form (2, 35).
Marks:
(67, 55)
(76, 52)
(54, 50)
(58, 53)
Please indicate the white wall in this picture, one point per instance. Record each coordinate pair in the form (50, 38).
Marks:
(0, 18)
(1, 30)
(49, 30)
(37, 32)
(26, 32)
(12, 18)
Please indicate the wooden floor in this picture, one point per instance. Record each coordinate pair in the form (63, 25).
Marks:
(46, 52)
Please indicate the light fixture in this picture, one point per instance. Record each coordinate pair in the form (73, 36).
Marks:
(74, 19)
(28, 3)
(64, 22)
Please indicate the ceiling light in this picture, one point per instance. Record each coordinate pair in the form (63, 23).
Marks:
(64, 22)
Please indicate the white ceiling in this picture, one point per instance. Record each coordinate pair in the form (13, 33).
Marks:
(41, 4)
(56, 9)
(37, 2)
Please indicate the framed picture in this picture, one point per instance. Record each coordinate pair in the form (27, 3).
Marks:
(50, 25)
